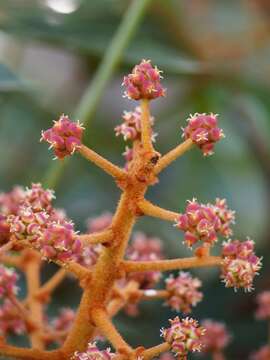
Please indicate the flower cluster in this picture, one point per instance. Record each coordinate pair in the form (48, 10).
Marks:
(143, 82)
(93, 353)
(131, 128)
(205, 222)
(263, 310)
(240, 264)
(65, 137)
(8, 280)
(10, 321)
(183, 292)
(59, 242)
(184, 335)
(216, 337)
(203, 130)
(262, 354)
(145, 249)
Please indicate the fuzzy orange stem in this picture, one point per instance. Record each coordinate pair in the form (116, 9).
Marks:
(152, 210)
(103, 322)
(12, 260)
(155, 351)
(97, 238)
(172, 155)
(174, 264)
(153, 294)
(29, 354)
(47, 288)
(146, 126)
(104, 164)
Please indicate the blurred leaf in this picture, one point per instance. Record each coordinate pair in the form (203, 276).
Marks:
(9, 81)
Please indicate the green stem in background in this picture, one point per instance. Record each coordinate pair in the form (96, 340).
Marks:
(88, 104)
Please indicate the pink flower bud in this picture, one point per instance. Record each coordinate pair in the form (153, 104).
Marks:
(8, 280)
(64, 137)
(99, 223)
(11, 201)
(263, 310)
(184, 335)
(145, 249)
(262, 354)
(183, 292)
(205, 222)
(216, 337)
(240, 264)
(38, 198)
(202, 129)
(93, 353)
(10, 319)
(131, 129)
(143, 82)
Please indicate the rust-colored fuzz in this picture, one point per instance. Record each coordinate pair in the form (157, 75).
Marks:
(115, 273)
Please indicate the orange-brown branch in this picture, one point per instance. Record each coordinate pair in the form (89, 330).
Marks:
(97, 238)
(155, 351)
(101, 162)
(146, 126)
(172, 155)
(174, 264)
(152, 210)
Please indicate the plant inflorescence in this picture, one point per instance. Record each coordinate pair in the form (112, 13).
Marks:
(114, 272)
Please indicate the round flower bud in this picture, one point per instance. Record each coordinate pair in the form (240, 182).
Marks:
(39, 199)
(10, 319)
(183, 292)
(263, 310)
(202, 129)
(143, 82)
(60, 242)
(131, 128)
(8, 280)
(65, 137)
(216, 337)
(93, 353)
(184, 335)
(262, 354)
(240, 264)
(143, 248)
(205, 222)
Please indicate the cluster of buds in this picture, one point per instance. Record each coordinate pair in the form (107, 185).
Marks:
(203, 130)
(8, 280)
(261, 354)
(205, 222)
(183, 292)
(93, 353)
(131, 128)
(145, 249)
(10, 321)
(59, 242)
(240, 264)
(263, 310)
(65, 137)
(216, 337)
(143, 82)
(184, 335)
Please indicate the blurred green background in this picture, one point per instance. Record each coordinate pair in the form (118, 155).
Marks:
(215, 57)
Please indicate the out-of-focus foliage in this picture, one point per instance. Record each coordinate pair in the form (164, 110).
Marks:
(215, 57)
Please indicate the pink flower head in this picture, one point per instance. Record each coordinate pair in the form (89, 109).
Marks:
(240, 264)
(263, 310)
(99, 223)
(216, 337)
(93, 353)
(131, 128)
(10, 320)
(205, 222)
(145, 249)
(27, 224)
(262, 354)
(65, 137)
(203, 130)
(183, 292)
(89, 255)
(39, 199)
(143, 82)
(11, 201)
(59, 241)
(8, 280)
(63, 323)
(183, 335)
